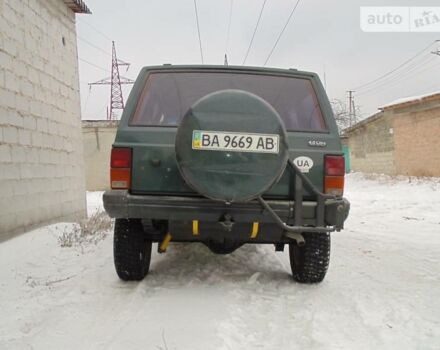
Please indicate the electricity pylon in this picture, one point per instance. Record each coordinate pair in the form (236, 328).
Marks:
(115, 81)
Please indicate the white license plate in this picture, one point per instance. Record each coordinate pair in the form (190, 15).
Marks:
(235, 142)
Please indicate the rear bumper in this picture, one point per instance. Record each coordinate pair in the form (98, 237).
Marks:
(121, 204)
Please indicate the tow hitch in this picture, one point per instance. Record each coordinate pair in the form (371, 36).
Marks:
(227, 222)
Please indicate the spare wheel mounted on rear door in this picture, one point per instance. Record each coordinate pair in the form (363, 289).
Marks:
(231, 146)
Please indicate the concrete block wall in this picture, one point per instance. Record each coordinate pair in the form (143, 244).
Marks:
(41, 152)
(372, 147)
(98, 138)
(417, 141)
(403, 139)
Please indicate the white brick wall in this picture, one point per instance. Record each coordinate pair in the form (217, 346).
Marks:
(41, 161)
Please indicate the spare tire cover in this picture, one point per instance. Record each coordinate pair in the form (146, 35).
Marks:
(205, 140)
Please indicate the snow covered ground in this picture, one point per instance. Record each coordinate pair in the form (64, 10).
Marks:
(382, 290)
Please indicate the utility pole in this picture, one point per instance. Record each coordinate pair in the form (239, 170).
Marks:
(115, 81)
(351, 108)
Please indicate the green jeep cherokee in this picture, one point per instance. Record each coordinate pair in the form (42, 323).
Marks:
(226, 156)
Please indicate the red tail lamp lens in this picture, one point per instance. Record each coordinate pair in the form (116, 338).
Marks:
(121, 158)
(334, 175)
(334, 165)
(120, 164)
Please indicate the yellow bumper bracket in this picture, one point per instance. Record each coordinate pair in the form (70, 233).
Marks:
(255, 228)
(195, 229)
(164, 245)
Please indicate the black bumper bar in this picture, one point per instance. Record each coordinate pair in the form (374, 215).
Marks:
(121, 204)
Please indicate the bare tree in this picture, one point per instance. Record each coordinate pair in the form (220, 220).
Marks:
(342, 114)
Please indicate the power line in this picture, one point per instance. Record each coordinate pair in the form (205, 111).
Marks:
(93, 65)
(198, 30)
(409, 71)
(360, 87)
(414, 66)
(414, 63)
(94, 46)
(95, 29)
(391, 80)
(282, 32)
(397, 79)
(255, 31)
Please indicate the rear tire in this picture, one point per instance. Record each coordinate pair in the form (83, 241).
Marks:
(131, 250)
(310, 262)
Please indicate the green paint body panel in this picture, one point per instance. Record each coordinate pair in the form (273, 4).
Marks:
(154, 166)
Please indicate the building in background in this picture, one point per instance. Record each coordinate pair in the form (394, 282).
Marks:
(98, 138)
(41, 148)
(402, 139)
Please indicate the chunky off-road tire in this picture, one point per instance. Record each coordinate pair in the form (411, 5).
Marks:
(131, 250)
(310, 262)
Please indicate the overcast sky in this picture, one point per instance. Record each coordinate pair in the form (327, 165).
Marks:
(322, 36)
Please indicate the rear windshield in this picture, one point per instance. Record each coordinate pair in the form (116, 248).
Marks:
(168, 96)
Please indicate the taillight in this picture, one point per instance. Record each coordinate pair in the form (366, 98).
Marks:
(120, 168)
(121, 158)
(334, 167)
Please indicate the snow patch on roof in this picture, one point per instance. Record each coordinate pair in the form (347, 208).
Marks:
(410, 99)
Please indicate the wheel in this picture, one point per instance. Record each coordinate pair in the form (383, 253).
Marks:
(225, 247)
(310, 262)
(131, 250)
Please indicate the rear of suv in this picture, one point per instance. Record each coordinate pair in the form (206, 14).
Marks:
(226, 156)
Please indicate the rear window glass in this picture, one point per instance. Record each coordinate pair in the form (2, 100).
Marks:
(168, 96)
